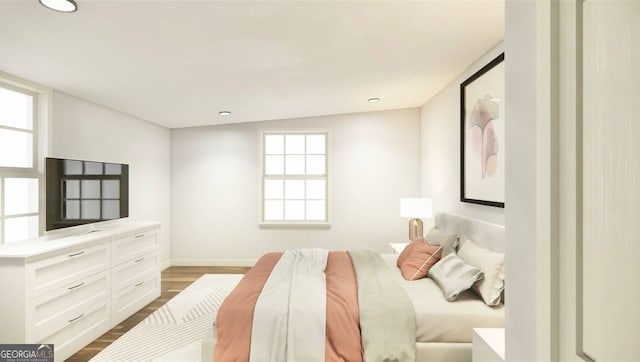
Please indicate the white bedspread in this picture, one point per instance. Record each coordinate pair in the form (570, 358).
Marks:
(289, 318)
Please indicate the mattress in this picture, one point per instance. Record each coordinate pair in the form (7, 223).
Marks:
(440, 321)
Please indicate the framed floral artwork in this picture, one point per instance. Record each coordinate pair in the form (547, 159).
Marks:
(482, 134)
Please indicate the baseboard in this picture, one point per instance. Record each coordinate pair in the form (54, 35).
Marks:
(165, 264)
(213, 262)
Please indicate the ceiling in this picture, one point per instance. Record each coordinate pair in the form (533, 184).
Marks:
(178, 63)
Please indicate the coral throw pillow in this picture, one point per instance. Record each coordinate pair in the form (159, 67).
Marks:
(421, 258)
(405, 254)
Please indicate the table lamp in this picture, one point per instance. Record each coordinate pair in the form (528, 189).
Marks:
(414, 209)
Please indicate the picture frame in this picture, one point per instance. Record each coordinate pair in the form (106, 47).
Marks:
(482, 136)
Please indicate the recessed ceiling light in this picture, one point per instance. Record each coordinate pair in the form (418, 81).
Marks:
(64, 6)
(224, 113)
(373, 100)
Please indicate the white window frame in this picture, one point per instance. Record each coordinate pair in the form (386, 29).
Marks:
(23, 172)
(323, 224)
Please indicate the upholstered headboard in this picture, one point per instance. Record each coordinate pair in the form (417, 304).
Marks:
(489, 236)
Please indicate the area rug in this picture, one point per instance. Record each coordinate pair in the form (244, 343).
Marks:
(174, 332)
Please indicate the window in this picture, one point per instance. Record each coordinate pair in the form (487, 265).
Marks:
(294, 178)
(19, 181)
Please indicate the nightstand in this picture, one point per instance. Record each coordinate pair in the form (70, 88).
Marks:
(398, 247)
(488, 345)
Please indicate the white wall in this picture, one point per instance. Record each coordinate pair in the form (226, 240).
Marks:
(374, 161)
(440, 178)
(84, 130)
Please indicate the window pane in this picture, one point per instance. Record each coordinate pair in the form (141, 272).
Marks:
(112, 169)
(16, 148)
(20, 196)
(316, 210)
(273, 210)
(16, 109)
(294, 189)
(273, 189)
(295, 144)
(90, 209)
(20, 228)
(316, 189)
(295, 165)
(93, 168)
(90, 189)
(315, 165)
(316, 144)
(72, 189)
(110, 209)
(72, 210)
(72, 167)
(274, 165)
(111, 189)
(294, 210)
(274, 144)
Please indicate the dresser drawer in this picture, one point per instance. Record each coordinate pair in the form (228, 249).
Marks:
(48, 313)
(82, 327)
(131, 299)
(131, 272)
(60, 270)
(131, 247)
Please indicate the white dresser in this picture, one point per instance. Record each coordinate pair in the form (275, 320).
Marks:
(69, 290)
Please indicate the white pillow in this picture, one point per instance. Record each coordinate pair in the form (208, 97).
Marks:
(449, 242)
(492, 265)
(454, 276)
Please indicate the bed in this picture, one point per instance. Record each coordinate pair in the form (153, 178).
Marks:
(443, 329)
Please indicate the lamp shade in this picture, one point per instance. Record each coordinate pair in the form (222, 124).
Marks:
(415, 208)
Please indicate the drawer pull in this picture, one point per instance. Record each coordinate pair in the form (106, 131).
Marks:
(76, 286)
(138, 260)
(139, 284)
(139, 236)
(76, 318)
(76, 254)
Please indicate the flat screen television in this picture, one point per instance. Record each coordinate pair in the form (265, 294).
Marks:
(82, 192)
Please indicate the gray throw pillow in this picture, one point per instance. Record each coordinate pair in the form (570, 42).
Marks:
(454, 276)
(449, 242)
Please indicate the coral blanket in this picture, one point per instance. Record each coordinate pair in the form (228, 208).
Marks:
(235, 318)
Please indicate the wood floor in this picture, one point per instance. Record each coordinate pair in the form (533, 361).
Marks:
(174, 280)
